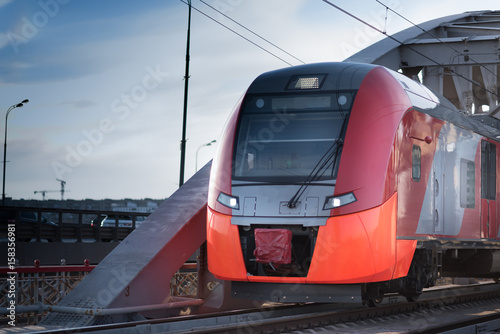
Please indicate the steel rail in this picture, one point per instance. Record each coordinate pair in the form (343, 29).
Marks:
(274, 318)
(40, 308)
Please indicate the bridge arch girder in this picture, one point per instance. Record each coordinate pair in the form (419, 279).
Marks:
(458, 56)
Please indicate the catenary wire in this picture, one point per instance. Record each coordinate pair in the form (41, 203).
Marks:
(254, 33)
(240, 35)
(409, 47)
(435, 37)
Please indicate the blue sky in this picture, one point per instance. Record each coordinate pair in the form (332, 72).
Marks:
(105, 81)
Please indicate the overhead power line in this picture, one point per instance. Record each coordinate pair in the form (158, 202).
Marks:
(409, 47)
(435, 37)
(254, 33)
(240, 35)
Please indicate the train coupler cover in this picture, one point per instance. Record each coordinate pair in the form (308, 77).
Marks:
(273, 246)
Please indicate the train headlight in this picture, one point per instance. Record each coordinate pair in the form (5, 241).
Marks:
(232, 202)
(332, 202)
(306, 81)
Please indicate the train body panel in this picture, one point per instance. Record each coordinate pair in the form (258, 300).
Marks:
(220, 174)
(223, 247)
(344, 173)
(367, 165)
(357, 236)
(443, 200)
(449, 191)
(412, 181)
(447, 199)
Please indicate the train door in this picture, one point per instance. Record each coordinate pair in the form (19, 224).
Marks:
(488, 190)
(439, 178)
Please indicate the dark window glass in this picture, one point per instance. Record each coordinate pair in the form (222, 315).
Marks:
(416, 163)
(282, 138)
(467, 184)
(488, 170)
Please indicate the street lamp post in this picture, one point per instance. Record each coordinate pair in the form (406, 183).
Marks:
(19, 105)
(207, 144)
(184, 114)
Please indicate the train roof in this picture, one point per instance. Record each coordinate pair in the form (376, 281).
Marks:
(484, 125)
(427, 101)
(341, 76)
(348, 76)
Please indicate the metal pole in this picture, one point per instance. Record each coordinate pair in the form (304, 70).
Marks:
(184, 118)
(5, 154)
(19, 105)
(197, 150)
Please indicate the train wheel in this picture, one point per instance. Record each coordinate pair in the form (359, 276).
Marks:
(423, 273)
(372, 294)
(374, 302)
(412, 298)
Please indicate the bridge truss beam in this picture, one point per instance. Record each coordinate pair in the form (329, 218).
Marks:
(458, 56)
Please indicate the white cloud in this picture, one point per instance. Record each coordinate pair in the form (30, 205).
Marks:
(4, 3)
(4, 40)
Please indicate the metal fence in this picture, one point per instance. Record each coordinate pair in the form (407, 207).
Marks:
(48, 285)
(184, 283)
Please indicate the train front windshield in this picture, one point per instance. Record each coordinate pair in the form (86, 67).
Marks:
(286, 138)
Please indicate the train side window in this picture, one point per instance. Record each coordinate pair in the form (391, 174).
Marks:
(416, 165)
(488, 170)
(467, 184)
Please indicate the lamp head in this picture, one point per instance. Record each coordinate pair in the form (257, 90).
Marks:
(25, 101)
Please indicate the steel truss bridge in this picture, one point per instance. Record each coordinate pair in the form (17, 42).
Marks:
(457, 56)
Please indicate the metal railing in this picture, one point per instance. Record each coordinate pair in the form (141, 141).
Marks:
(68, 225)
(47, 285)
(32, 287)
(184, 283)
(42, 284)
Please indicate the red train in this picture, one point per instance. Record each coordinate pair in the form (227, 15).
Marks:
(345, 181)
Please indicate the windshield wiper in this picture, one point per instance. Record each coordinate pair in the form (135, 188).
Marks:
(328, 159)
(325, 162)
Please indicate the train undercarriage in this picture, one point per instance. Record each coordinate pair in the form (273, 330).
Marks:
(432, 263)
(432, 260)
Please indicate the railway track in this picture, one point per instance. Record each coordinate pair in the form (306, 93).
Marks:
(437, 310)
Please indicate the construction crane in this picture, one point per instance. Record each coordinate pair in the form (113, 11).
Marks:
(43, 192)
(63, 184)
